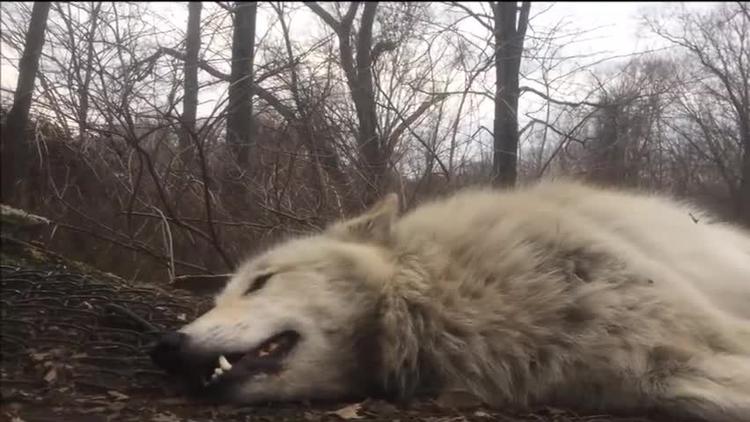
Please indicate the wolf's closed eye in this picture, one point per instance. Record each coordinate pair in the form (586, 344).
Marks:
(258, 283)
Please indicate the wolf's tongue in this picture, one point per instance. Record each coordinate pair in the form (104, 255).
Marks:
(277, 346)
(266, 358)
(267, 349)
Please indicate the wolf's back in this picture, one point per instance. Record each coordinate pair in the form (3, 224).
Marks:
(591, 284)
(637, 228)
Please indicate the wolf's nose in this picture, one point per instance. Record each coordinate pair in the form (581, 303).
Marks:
(166, 353)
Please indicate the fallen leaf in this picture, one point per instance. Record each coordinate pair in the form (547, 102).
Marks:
(348, 412)
(165, 417)
(51, 375)
(117, 395)
(116, 407)
(458, 399)
(555, 411)
(38, 357)
(380, 407)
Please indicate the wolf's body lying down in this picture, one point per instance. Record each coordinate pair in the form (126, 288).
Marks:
(555, 294)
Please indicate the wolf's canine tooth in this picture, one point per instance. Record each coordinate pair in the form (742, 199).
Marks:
(224, 363)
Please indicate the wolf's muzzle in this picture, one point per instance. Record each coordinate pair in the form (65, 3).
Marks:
(168, 351)
(203, 368)
(191, 367)
(174, 354)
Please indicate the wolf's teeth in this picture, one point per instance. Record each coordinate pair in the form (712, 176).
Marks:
(224, 363)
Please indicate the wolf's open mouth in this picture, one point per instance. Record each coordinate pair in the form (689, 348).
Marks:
(266, 358)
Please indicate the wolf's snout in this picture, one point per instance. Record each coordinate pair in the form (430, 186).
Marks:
(167, 353)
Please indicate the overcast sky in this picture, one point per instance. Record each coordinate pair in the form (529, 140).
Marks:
(612, 29)
(616, 22)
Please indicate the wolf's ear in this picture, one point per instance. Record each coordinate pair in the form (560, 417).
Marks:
(374, 225)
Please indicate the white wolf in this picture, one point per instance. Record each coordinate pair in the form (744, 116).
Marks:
(553, 294)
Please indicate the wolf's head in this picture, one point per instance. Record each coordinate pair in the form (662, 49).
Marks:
(299, 321)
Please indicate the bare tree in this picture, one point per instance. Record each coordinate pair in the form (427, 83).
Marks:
(240, 107)
(190, 100)
(357, 66)
(387, 81)
(77, 38)
(510, 30)
(305, 117)
(719, 42)
(631, 104)
(14, 151)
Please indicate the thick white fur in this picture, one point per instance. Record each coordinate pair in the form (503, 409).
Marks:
(557, 293)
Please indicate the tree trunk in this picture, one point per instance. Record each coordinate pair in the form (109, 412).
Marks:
(373, 159)
(88, 71)
(240, 112)
(14, 148)
(609, 152)
(371, 149)
(509, 37)
(190, 100)
(744, 200)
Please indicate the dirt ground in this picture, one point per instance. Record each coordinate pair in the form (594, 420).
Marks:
(74, 344)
